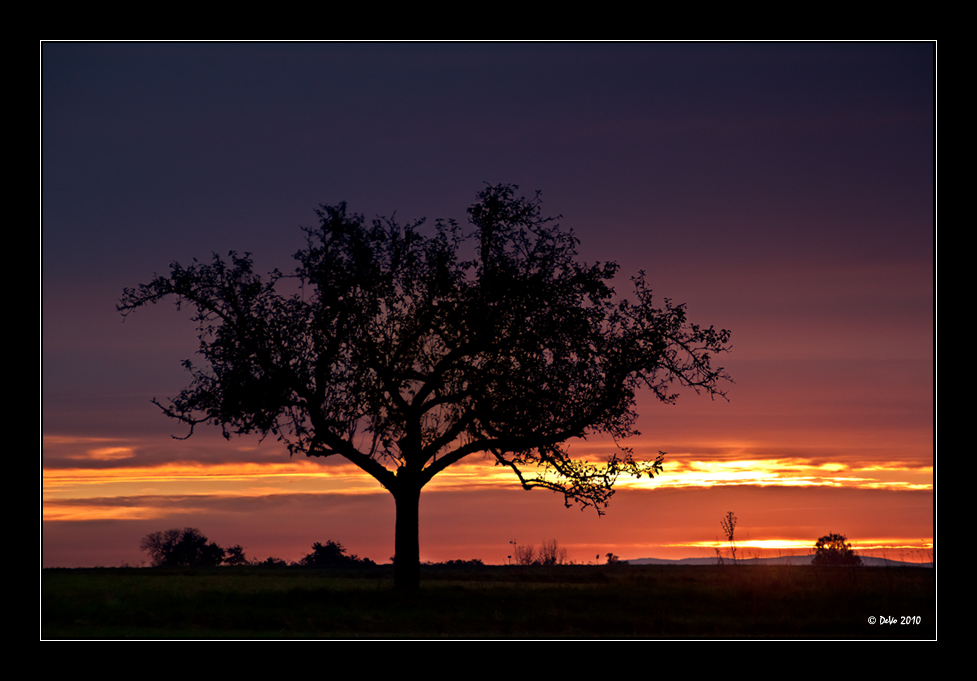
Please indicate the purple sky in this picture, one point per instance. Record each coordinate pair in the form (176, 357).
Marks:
(783, 191)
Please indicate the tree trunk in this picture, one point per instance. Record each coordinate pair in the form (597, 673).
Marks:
(407, 553)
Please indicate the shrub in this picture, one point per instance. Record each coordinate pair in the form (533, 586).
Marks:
(833, 549)
(234, 555)
(550, 553)
(181, 548)
(332, 554)
(458, 563)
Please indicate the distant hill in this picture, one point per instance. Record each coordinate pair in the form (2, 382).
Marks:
(869, 561)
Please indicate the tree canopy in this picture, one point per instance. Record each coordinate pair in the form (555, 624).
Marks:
(183, 548)
(405, 349)
(834, 549)
(332, 554)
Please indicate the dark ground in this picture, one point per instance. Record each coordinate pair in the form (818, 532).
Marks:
(581, 602)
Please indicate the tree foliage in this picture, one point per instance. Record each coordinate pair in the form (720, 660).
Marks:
(234, 555)
(332, 554)
(406, 350)
(834, 549)
(462, 563)
(182, 548)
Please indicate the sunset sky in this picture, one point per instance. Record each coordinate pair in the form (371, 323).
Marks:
(782, 191)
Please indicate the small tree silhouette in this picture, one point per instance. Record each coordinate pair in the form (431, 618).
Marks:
(332, 554)
(526, 555)
(550, 553)
(729, 528)
(833, 549)
(234, 555)
(181, 548)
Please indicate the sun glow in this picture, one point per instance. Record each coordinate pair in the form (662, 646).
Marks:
(913, 551)
(99, 478)
(307, 475)
(790, 472)
(245, 479)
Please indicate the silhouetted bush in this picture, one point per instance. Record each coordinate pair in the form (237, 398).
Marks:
(234, 555)
(332, 554)
(833, 549)
(550, 553)
(457, 563)
(182, 548)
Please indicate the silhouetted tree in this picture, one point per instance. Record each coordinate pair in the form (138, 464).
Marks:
(460, 563)
(234, 555)
(526, 555)
(181, 548)
(729, 529)
(332, 554)
(385, 347)
(551, 553)
(833, 549)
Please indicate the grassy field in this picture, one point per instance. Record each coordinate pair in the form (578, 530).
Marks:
(611, 602)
